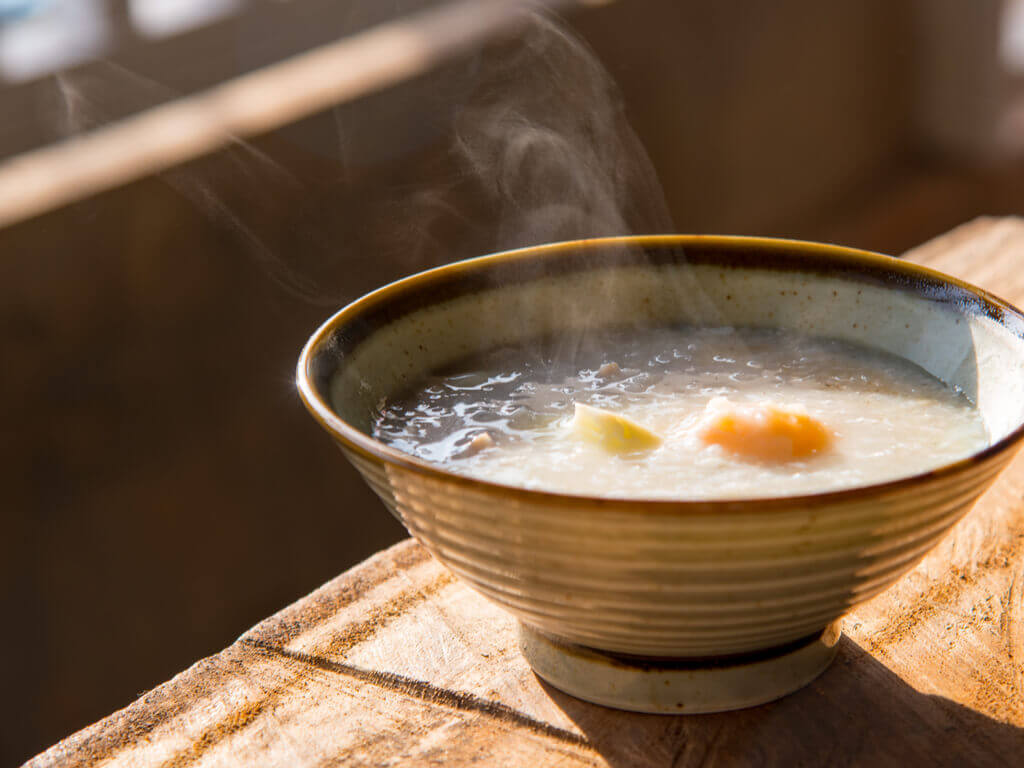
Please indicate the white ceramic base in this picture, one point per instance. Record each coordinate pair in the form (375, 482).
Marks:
(678, 686)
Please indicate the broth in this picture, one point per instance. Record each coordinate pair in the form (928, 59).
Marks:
(508, 416)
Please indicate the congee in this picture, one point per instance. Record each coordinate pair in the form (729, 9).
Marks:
(684, 413)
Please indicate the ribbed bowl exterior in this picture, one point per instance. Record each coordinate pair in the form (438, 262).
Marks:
(689, 579)
(662, 580)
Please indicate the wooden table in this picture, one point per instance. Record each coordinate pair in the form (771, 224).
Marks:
(396, 663)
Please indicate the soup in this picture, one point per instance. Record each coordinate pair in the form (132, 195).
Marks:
(685, 413)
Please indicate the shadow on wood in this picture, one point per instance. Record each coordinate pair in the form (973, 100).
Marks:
(857, 713)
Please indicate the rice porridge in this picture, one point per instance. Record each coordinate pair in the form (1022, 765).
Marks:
(685, 413)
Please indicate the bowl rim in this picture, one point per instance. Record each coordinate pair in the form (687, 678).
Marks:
(356, 440)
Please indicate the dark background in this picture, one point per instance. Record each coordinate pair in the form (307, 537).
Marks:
(162, 487)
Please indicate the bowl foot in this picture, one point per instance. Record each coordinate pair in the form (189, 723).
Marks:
(678, 686)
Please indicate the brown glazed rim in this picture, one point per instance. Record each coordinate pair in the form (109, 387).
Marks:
(808, 256)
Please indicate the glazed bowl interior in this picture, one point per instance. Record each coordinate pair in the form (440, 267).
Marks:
(668, 578)
(388, 342)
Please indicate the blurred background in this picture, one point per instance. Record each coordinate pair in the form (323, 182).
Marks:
(162, 487)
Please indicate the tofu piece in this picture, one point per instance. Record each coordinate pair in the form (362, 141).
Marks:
(611, 431)
(763, 431)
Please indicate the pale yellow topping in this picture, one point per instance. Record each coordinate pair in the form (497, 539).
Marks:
(612, 431)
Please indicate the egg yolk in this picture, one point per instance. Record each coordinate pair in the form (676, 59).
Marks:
(763, 431)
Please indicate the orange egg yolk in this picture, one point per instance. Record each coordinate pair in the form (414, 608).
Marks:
(763, 431)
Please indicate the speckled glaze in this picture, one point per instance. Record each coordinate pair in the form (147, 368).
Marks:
(707, 581)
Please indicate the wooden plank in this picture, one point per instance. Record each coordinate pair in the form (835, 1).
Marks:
(954, 627)
(396, 663)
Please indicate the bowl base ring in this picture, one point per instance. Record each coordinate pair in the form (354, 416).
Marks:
(678, 686)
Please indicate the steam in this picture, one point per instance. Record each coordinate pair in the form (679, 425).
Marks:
(527, 143)
(240, 188)
(548, 143)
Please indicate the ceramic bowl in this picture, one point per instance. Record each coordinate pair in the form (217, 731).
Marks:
(655, 605)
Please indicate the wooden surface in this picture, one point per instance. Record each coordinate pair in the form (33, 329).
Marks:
(396, 663)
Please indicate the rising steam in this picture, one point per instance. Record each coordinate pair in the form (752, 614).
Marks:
(547, 140)
(240, 188)
(527, 142)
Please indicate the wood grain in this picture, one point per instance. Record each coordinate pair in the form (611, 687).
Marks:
(396, 663)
